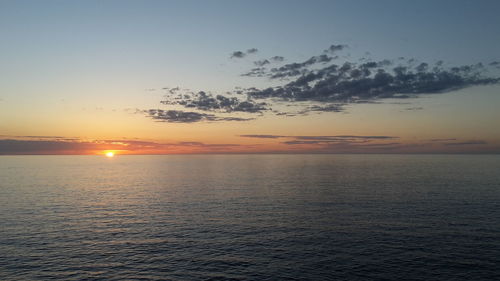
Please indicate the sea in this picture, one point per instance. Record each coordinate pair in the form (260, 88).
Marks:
(250, 217)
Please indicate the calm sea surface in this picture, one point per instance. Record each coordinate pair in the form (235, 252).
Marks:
(250, 217)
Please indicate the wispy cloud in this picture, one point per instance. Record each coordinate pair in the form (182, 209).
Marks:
(414, 108)
(321, 138)
(443, 140)
(327, 142)
(374, 144)
(263, 136)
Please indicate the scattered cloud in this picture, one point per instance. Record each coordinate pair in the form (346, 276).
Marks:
(238, 55)
(255, 72)
(252, 51)
(295, 69)
(335, 48)
(241, 54)
(320, 84)
(261, 62)
(277, 59)
(264, 62)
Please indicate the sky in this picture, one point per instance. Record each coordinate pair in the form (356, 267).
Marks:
(165, 77)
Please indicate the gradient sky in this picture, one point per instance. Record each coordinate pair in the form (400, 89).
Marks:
(86, 77)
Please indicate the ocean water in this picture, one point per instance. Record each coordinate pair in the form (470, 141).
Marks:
(250, 217)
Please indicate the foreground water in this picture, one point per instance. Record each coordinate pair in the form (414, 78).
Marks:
(250, 217)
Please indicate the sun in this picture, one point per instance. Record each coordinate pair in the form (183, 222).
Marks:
(110, 154)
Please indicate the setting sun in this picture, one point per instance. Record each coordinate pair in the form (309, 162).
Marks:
(110, 154)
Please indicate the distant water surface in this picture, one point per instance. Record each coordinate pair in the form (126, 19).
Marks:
(250, 217)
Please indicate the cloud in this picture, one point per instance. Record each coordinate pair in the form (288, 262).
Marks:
(285, 144)
(472, 142)
(278, 59)
(42, 137)
(320, 85)
(131, 144)
(350, 83)
(373, 144)
(256, 72)
(334, 138)
(11, 146)
(344, 143)
(441, 140)
(455, 142)
(324, 108)
(261, 62)
(344, 137)
(335, 48)
(207, 102)
(263, 136)
(269, 61)
(27, 145)
(177, 116)
(322, 140)
(240, 54)
(252, 51)
(414, 108)
(204, 145)
(295, 69)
